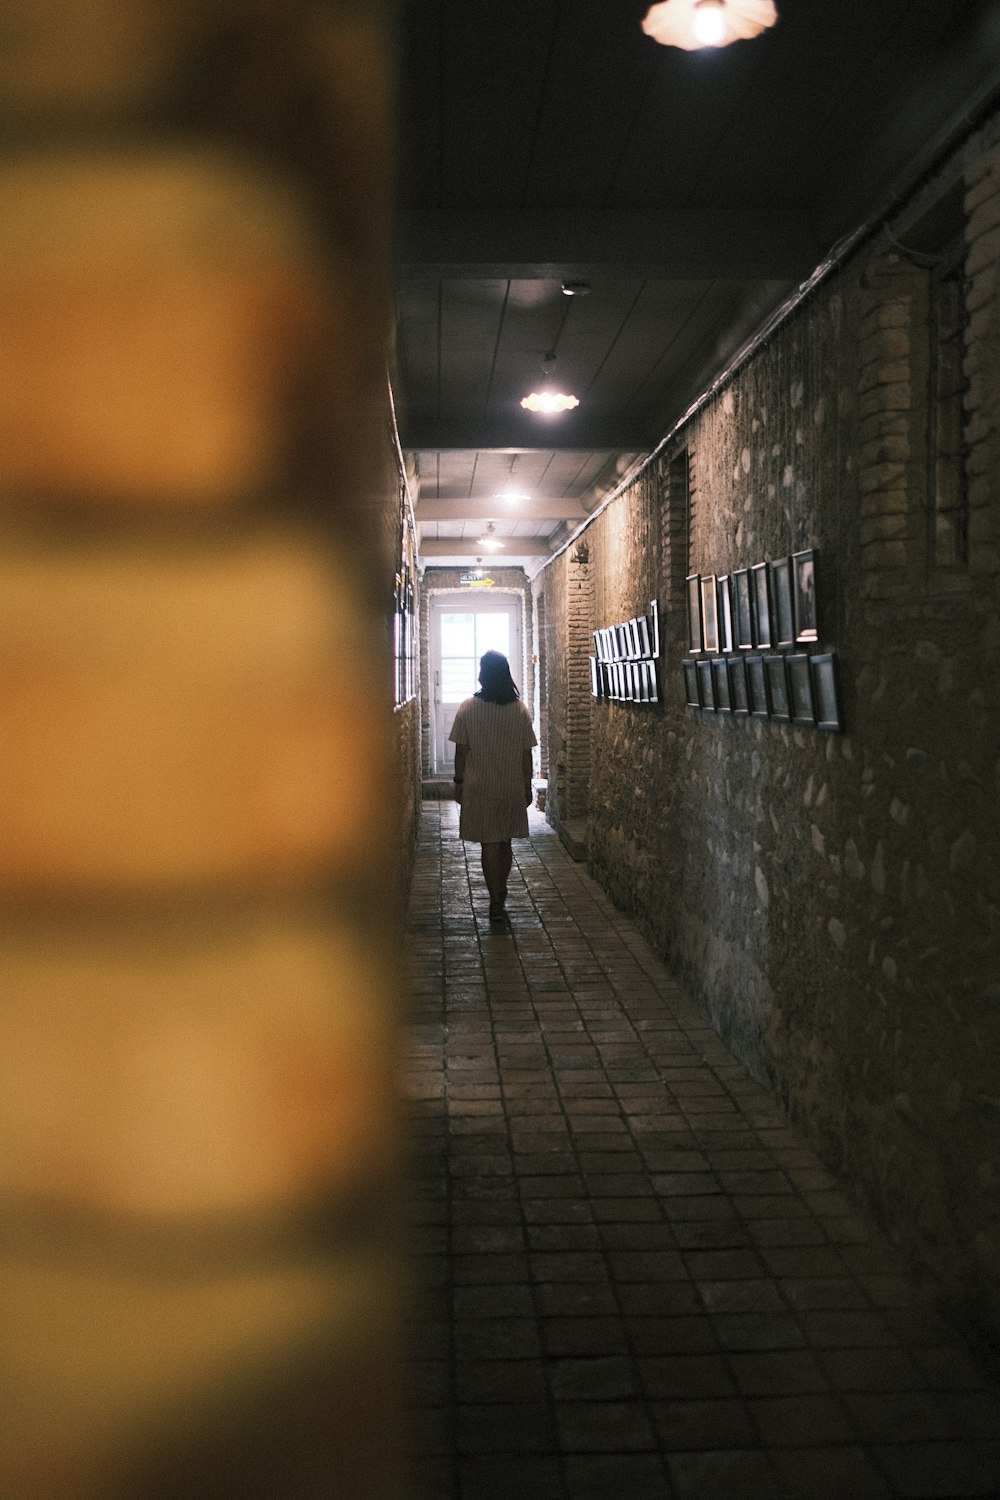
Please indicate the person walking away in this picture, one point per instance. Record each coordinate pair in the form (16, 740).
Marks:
(493, 738)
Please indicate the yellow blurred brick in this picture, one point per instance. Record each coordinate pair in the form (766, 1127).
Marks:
(90, 55)
(195, 1068)
(170, 716)
(161, 315)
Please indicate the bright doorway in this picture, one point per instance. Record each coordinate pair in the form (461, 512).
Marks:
(461, 629)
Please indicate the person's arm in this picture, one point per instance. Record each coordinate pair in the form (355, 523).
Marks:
(526, 768)
(461, 755)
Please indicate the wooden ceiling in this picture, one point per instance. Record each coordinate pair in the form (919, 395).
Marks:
(551, 141)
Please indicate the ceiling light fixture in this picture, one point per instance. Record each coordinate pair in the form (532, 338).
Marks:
(547, 401)
(512, 496)
(708, 23)
(488, 541)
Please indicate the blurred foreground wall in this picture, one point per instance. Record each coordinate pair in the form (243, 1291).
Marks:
(197, 1241)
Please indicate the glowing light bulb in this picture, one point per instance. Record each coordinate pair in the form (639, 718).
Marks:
(708, 22)
(549, 403)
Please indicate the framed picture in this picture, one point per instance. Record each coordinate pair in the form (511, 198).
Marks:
(706, 694)
(825, 693)
(800, 689)
(742, 613)
(654, 621)
(654, 686)
(633, 682)
(782, 615)
(641, 682)
(605, 679)
(777, 687)
(761, 604)
(804, 584)
(644, 644)
(709, 614)
(720, 684)
(725, 613)
(760, 704)
(624, 641)
(694, 613)
(595, 677)
(739, 690)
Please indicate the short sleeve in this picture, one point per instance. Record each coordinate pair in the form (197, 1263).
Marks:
(459, 734)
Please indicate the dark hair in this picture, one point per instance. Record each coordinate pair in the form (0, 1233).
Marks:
(494, 675)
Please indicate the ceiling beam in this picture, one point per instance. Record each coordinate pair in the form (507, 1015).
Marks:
(489, 508)
(561, 244)
(514, 546)
(573, 432)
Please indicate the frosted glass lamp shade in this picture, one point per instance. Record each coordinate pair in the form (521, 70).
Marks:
(676, 23)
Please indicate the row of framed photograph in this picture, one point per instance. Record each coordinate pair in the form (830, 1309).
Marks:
(624, 681)
(631, 640)
(772, 605)
(798, 688)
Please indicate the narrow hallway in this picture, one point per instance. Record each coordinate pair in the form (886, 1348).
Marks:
(635, 1280)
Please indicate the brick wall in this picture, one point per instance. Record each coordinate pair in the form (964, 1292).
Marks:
(833, 900)
(196, 850)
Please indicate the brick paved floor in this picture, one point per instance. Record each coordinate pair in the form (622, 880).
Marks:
(635, 1280)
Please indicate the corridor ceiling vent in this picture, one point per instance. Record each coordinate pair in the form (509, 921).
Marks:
(547, 401)
(708, 23)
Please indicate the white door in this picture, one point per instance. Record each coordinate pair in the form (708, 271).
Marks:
(461, 629)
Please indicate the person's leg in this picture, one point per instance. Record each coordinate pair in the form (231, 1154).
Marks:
(495, 871)
(506, 865)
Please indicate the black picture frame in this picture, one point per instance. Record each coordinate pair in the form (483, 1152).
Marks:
(694, 613)
(720, 685)
(644, 643)
(691, 684)
(739, 690)
(760, 703)
(742, 610)
(760, 595)
(653, 680)
(806, 604)
(595, 677)
(654, 621)
(706, 691)
(777, 687)
(709, 614)
(725, 613)
(800, 689)
(824, 681)
(782, 609)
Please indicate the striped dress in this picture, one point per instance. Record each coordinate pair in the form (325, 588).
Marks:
(493, 808)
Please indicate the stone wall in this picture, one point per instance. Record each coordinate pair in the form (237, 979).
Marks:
(833, 900)
(197, 976)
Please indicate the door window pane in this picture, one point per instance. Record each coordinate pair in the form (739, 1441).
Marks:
(458, 635)
(493, 633)
(458, 678)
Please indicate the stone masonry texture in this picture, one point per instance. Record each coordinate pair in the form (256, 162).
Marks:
(832, 901)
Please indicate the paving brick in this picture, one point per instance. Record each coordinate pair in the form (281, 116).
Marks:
(655, 1281)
